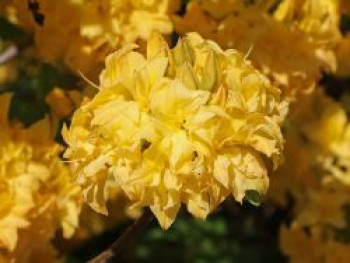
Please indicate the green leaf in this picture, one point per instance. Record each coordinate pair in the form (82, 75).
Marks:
(343, 234)
(253, 197)
(345, 24)
(10, 32)
(27, 112)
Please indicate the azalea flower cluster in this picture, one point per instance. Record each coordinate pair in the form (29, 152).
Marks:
(316, 174)
(37, 194)
(81, 33)
(266, 29)
(189, 125)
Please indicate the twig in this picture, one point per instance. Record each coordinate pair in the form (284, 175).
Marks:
(125, 238)
(8, 54)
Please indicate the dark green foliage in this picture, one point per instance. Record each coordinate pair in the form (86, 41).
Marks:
(30, 89)
(343, 234)
(36, 78)
(235, 233)
(10, 32)
(345, 24)
(221, 238)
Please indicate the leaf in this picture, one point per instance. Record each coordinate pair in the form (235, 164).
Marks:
(26, 112)
(253, 197)
(10, 32)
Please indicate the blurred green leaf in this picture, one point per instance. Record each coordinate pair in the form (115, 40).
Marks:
(10, 32)
(30, 90)
(27, 112)
(343, 234)
(345, 24)
(253, 197)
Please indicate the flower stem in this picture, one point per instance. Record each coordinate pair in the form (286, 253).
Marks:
(129, 234)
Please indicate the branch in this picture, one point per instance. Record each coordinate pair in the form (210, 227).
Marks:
(8, 54)
(129, 234)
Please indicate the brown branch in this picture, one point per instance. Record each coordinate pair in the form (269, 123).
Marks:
(8, 54)
(129, 234)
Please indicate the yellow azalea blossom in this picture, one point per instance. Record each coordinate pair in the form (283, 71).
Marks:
(338, 167)
(189, 125)
(92, 223)
(323, 207)
(61, 102)
(8, 72)
(315, 247)
(266, 41)
(33, 242)
(315, 127)
(35, 187)
(316, 175)
(81, 32)
(319, 19)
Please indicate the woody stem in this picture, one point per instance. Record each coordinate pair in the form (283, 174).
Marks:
(129, 234)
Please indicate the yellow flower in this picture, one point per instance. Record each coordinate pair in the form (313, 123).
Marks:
(250, 29)
(8, 72)
(35, 187)
(316, 246)
(188, 125)
(315, 137)
(323, 207)
(33, 242)
(93, 28)
(319, 19)
(62, 103)
(92, 223)
(316, 175)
